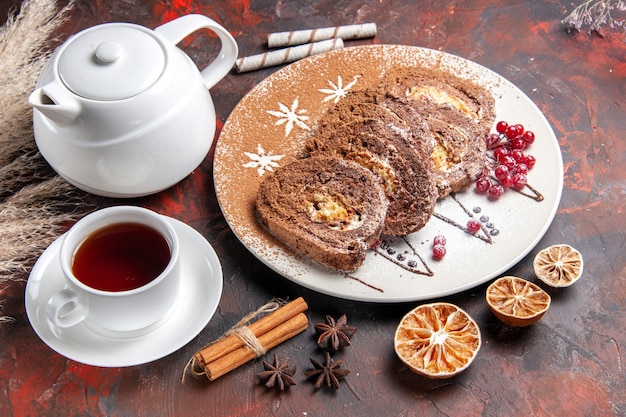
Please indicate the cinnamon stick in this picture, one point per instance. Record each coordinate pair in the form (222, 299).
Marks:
(268, 340)
(230, 343)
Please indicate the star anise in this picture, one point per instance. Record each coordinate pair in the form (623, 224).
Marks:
(334, 335)
(278, 374)
(328, 374)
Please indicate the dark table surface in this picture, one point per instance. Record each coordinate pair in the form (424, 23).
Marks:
(571, 363)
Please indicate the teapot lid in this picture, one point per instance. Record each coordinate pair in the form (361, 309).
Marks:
(111, 61)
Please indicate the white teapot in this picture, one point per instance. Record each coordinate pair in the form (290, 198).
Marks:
(120, 111)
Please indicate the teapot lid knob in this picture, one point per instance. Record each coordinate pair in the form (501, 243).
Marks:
(108, 52)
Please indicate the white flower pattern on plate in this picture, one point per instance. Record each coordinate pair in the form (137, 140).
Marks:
(262, 161)
(290, 116)
(338, 91)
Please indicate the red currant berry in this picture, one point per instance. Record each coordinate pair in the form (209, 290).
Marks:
(529, 137)
(439, 240)
(483, 184)
(520, 180)
(492, 140)
(520, 168)
(500, 152)
(501, 171)
(518, 143)
(520, 129)
(483, 173)
(439, 251)
(501, 126)
(507, 181)
(517, 155)
(529, 160)
(509, 161)
(495, 192)
(473, 225)
(511, 132)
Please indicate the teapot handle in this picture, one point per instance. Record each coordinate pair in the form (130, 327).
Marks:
(180, 28)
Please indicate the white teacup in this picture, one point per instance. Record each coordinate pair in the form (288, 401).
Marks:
(124, 304)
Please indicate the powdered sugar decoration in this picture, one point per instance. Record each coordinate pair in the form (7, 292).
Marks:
(262, 161)
(290, 116)
(338, 91)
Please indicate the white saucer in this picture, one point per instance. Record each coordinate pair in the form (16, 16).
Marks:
(201, 289)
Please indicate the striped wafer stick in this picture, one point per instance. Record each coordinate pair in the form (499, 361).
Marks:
(366, 30)
(284, 56)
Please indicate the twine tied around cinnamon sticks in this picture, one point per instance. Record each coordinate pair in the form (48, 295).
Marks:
(245, 341)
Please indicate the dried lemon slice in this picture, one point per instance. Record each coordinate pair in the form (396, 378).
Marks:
(558, 265)
(437, 340)
(517, 302)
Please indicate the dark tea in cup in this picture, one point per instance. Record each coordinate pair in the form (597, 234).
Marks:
(121, 257)
(122, 271)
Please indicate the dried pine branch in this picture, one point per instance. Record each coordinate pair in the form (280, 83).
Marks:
(596, 15)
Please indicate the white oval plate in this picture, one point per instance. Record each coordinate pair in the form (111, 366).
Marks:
(268, 128)
(201, 289)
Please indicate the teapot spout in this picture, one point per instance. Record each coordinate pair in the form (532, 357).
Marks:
(55, 104)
